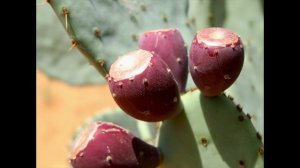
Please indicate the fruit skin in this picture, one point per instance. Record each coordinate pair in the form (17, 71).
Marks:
(169, 45)
(107, 145)
(214, 67)
(152, 95)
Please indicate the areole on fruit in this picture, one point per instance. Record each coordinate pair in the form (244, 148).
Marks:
(142, 85)
(216, 59)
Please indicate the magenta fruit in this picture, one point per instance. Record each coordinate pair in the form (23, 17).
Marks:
(143, 86)
(169, 45)
(216, 60)
(106, 145)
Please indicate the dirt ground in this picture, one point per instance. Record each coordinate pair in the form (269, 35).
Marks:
(61, 109)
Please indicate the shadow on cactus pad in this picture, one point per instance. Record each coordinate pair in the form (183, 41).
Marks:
(213, 132)
(177, 143)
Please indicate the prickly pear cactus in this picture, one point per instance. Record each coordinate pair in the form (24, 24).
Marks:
(55, 56)
(97, 37)
(244, 17)
(222, 131)
(210, 132)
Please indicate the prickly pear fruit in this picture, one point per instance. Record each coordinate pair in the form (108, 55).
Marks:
(143, 86)
(169, 45)
(106, 145)
(216, 59)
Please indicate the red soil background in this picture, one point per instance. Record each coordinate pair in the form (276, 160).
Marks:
(60, 110)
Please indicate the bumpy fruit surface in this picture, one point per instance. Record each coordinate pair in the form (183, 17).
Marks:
(216, 59)
(143, 86)
(169, 45)
(106, 145)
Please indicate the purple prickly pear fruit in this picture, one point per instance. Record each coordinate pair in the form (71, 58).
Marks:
(143, 86)
(169, 45)
(216, 60)
(106, 145)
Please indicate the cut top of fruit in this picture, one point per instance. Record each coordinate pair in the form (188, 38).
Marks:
(130, 64)
(217, 37)
(82, 139)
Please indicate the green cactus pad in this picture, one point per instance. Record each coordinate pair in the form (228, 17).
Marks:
(245, 17)
(53, 55)
(211, 132)
(103, 30)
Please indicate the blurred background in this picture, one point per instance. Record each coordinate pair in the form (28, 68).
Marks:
(61, 109)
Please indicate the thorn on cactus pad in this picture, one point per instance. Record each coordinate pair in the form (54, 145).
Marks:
(242, 164)
(241, 118)
(157, 126)
(133, 18)
(249, 116)
(230, 97)
(44, 3)
(134, 37)
(239, 108)
(258, 136)
(187, 23)
(97, 32)
(252, 88)
(193, 20)
(193, 89)
(210, 17)
(143, 7)
(204, 142)
(261, 150)
(165, 19)
(74, 43)
(65, 12)
(101, 62)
